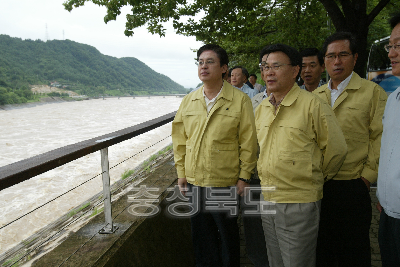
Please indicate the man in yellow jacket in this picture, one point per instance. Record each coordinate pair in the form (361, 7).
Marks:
(346, 207)
(301, 146)
(215, 146)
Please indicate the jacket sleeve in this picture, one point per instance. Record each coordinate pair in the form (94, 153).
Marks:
(247, 140)
(330, 139)
(179, 138)
(370, 171)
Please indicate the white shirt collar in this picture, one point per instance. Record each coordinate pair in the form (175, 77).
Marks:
(210, 103)
(335, 93)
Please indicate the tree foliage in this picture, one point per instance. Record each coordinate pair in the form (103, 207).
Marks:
(80, 67)
(243, 27)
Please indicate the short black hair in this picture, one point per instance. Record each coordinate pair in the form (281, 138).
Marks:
(221, 53)
(291, 52)
(230, 72)
(244, 71)
(337, 36)
(309, 52)
(255, 76)
(394, 20)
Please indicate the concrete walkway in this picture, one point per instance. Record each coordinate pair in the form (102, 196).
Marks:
(373, 235)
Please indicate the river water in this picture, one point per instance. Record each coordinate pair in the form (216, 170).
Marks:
(29, 131)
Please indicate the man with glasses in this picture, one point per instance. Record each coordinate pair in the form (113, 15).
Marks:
(215, 146)
(389, 168)
(358, 104)
(301, 146)
(312, 68)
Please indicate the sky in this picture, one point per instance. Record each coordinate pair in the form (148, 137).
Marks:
(48, 20)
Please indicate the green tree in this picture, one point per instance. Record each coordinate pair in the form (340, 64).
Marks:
(242, 26)
(27, 62)
(3, 96)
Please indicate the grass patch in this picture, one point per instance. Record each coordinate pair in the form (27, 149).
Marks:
(165, 150)
(127, 173)
(75, 211)
(147, 169)
(96, 211)
(27, 242)
(146, 163)
(13, 259)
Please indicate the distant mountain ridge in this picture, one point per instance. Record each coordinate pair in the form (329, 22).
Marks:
(79, 66)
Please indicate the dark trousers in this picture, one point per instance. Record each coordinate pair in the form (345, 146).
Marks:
(346, 213)
(253, 230)
(215, 234)
(389, 240)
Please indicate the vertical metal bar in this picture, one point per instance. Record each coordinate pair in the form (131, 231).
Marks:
(109, 227)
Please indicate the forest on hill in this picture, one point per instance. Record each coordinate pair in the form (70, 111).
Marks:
(76, 67)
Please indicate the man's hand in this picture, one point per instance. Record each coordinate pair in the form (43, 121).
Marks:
(379, 207)
(182, 183)
(241, 187)
(367, 183)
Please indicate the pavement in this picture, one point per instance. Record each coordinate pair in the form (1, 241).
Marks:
(373, 235)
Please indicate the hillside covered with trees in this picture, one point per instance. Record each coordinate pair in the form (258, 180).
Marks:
(77, 67)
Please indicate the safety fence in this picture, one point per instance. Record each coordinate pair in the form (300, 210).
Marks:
(26, 169)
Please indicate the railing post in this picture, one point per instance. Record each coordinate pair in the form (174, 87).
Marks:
(109, 228)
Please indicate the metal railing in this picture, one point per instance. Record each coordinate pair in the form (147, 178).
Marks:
(20, 171)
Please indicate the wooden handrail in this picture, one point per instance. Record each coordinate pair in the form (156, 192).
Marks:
(20, 171)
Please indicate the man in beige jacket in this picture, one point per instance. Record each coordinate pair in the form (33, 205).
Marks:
(346, 207)
(301, 146)
(215, 145)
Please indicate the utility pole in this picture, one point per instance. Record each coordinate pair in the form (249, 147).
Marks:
(47, 34)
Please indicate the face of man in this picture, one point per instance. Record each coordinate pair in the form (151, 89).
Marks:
(393, 54)
(209, 69)
(311, 72)
(252, 80)
(339, 61)
(238, 78)
(280, 80)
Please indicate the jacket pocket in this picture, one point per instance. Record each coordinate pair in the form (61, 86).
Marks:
(294, 170)
(225, 160)
(226, 123)
(191, 120)
(189, 160)
(355, 116)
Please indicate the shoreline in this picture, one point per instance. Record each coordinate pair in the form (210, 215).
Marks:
(56, 99)
(42, 101)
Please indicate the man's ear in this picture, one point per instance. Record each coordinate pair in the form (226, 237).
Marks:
(355, 58)
(296, 70)
(224, 68)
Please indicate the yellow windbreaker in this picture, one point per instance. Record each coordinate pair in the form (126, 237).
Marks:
(359, 110)
(301, 146)
(215, 149)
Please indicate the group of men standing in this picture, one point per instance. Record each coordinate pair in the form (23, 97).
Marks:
(316, 155)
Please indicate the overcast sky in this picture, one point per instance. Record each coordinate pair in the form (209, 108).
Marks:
(170, 55)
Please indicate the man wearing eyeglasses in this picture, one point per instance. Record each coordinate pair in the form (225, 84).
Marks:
(215, 146)
(388, 191)
(301, 146)
(312, 68)
(358, 104)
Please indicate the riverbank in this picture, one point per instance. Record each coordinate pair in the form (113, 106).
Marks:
(54, 99)
(42, 101)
